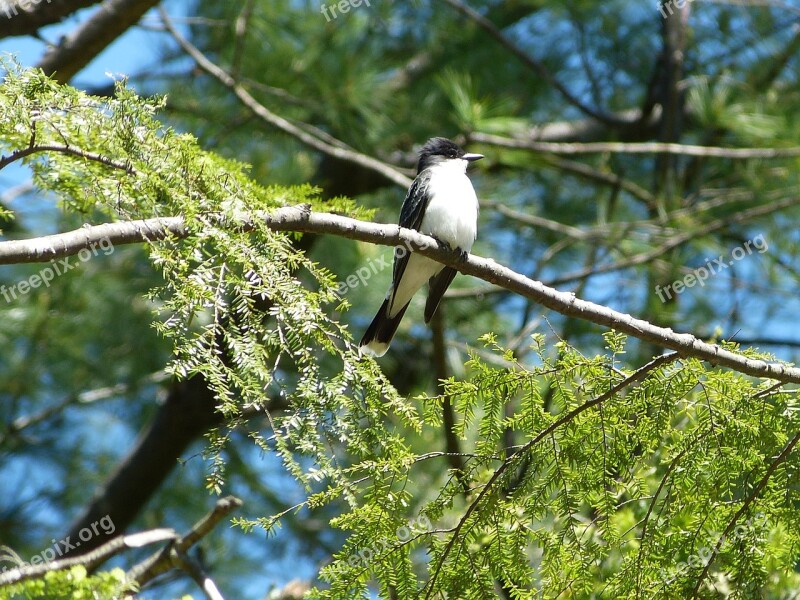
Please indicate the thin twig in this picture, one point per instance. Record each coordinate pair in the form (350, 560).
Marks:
(745, 507)
(170, 557)
(531, 63)
(64, 149)
(240, 32)
(262, 112)
(744, 216)
(635, 148)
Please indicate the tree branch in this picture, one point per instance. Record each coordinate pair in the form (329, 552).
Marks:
(634, 377)
(26, 17)
(90, 559)
(634, 148)
(745, 507)
(338, 150)
(64, 149)
(301, 219)
(744, 216)
(78, 49)
(531, 63)
(174, 555)
(583, 170)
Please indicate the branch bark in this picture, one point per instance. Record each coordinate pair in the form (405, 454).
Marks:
(634, 148)
(90, 559)
(173, 555)
(301, 219)
(26, 17)
(79, 48)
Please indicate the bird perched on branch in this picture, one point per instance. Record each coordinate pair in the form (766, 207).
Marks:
(441, 203)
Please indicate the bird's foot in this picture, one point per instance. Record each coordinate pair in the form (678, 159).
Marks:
(463, 255)
(443, 244)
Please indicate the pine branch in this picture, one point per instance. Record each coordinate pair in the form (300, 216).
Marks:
(634, 377)
(301, 219)
(531, 63)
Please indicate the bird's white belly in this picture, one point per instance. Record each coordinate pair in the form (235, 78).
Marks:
(452, 213)
(451, 216)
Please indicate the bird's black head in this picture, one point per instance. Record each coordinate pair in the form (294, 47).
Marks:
(438, 149)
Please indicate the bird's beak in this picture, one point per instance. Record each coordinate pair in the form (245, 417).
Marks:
(472, 157)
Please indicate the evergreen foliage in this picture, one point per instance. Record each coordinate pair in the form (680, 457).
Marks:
(675, 481)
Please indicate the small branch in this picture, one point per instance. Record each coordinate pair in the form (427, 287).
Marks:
(744, 216)
(765, 341)
(64, 149)
(240, 32)
(262, 112)
(173, 555)
(767, 4)
(531, 63)
(451, 442)
(536, 221)
(195, 570)
(25, 17)
(635, 148)
(301, 219)
(21, 423)
(583, 170)
(90, 559)
(631, 123)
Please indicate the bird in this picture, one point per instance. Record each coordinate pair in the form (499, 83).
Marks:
(441, 203)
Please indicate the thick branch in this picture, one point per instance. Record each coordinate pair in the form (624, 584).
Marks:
(25, 17)
(301, 219)
(80, 47)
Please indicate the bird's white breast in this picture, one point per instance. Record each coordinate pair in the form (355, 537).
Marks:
(452, 213)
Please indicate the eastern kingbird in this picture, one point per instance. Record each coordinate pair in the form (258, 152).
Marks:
(441, 203)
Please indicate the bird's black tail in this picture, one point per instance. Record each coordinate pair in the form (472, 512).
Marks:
(380, 332)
